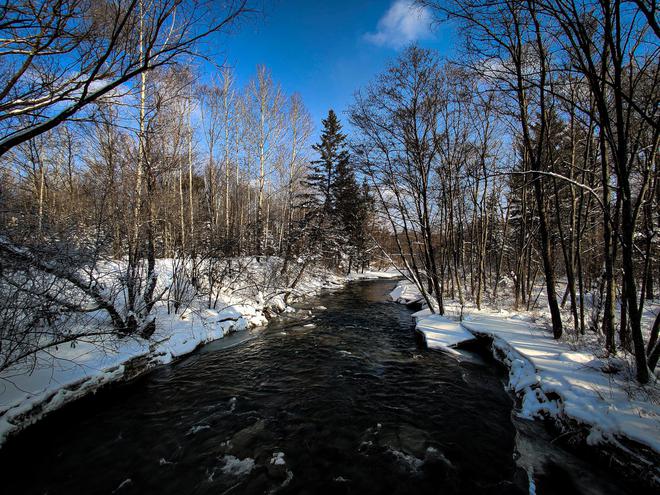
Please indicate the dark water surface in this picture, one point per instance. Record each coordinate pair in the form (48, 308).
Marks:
(348, 405)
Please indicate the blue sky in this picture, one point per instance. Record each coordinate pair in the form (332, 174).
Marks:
(327, 49)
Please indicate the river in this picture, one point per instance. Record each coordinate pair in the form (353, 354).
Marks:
(342, 400)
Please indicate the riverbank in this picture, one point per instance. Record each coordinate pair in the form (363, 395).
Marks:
(271, 416)
(591, 402)
(60, 375)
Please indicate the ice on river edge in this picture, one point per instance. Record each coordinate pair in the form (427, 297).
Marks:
(553, 377)
(66, 373)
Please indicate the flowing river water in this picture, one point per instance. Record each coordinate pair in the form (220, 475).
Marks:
(341, 400)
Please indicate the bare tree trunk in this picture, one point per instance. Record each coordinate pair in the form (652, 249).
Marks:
(191, 213)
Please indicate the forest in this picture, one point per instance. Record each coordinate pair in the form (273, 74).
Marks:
(525, 170)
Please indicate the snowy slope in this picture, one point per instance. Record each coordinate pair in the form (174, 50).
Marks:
(555, 378)
(63, 374)
(440, 332)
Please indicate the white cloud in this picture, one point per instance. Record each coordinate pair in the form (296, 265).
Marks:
(403, 23)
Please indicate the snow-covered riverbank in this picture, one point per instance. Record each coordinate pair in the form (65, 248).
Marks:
(593, 401)
(62, 374)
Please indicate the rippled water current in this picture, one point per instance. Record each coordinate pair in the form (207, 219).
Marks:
(342, 400)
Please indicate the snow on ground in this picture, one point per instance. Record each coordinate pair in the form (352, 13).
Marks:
(62, 374)
(554, 378)
(67, 372)
(371, 274)
(405, 293)
(441, 332)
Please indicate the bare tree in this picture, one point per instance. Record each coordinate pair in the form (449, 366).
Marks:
(397, 118)
(58, 56)
(265, 103)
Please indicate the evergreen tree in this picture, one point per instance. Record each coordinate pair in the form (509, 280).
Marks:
(321, 180)
(345, 197)
(337, 208)
(353, 206)
(321, 176)
(346, 203)
(360, 237)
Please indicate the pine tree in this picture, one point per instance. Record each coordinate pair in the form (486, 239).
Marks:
(321, 175)
(350, 212)
(321, 181)
(337, 208)
(345, 196)
(360, 237)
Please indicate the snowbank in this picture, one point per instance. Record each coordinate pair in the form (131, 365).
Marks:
(373, 274)
(440, 332)
(556, 380)
(405, 293)
(68, 372)
(63, 374)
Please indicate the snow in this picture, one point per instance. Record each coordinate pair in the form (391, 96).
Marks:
(554, 378)
(278, 459)
(237, 467)
(442, 333)
(60, 375)
(371, 275)
(587, 394)
(405, 293)
(66, 373)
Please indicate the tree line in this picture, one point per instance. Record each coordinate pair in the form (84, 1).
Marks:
(116, 157)
(526, 167)
(527, 164)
